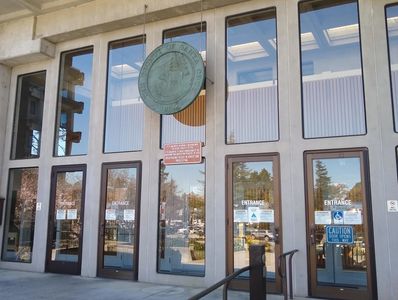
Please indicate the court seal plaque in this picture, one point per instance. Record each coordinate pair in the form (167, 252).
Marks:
(171, 77)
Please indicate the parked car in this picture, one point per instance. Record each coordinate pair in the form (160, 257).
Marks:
(262, 234)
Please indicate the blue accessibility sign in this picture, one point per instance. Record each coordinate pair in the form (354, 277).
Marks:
(339, 234)
(338, 217)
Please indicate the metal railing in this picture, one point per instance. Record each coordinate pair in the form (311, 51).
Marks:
(282, 272)
(256, 282)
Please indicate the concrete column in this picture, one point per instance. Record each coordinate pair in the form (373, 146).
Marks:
(5, 78)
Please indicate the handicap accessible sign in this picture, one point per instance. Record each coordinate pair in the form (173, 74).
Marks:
(339, 234)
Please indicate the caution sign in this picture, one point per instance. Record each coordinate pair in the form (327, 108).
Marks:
(339, 234)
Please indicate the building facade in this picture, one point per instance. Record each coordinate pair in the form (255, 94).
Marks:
(296, 125)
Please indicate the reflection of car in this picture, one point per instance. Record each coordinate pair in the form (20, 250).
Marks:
(265, 234)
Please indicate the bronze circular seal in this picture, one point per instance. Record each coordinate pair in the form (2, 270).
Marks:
(171, 77)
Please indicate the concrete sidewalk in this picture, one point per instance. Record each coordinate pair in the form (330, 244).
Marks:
(17, 285)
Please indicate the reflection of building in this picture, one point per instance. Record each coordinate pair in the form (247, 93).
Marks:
(289, 83)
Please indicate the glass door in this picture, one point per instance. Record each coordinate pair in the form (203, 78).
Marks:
(119, 221)
(253, 215)
(65, 230)
(340, 255)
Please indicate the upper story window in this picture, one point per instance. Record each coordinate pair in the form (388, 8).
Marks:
(124, 126)
(28, 116)
(331, 69)
(252, 90)
(188, 125)
(74, 99)
(392, 28)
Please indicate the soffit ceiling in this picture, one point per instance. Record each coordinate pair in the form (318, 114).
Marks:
(14, 9)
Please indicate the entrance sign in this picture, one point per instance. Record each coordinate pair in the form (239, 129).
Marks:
(171, 77)
(339, 235)
(184, 153)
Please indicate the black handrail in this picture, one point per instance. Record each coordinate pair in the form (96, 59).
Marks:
(220, 283)
(282, 258)
(256, 267)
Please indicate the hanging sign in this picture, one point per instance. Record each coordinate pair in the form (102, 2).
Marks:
(184, 153)
(171, 77)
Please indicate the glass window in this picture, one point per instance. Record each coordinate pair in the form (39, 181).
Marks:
(187, 125)
(74, 98)
(20, 215)
(332, 84)
(28, 116)
(252, 92)
(392, 27)
(124, 108)
(182, 219)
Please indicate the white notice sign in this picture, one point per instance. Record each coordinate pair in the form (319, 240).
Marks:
(71, 214)
(253, 213)
(323, 217)
(110, 214)
(240, 215)
(352, 217)
(61, 214)
(129, 214)
(392, 205)
(266, 215)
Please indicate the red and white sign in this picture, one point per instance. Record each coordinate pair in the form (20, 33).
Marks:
(184, 153)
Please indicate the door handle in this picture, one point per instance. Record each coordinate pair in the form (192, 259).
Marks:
(276, 234)
(312, 235)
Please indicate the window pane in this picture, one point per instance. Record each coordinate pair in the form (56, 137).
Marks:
(74, 98)
(124, 107)
(332, 85)
(182, 219)
(120, 221)
(187, 125)
(392, 26)
(338, 192)
(252, 98)
(20, 215)
(28, 116)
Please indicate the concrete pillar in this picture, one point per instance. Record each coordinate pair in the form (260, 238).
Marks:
(5, 78)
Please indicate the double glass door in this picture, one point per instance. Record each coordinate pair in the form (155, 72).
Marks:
(65, 230)
(119, 220)
(339, 238)
(254, 216)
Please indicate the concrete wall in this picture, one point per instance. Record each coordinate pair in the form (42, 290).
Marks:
(5, 78)
(97, 23)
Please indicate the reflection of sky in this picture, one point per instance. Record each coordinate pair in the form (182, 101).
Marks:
(196, 40)
(392, 11)
(73, 177)
(187, 177)
(342, 170)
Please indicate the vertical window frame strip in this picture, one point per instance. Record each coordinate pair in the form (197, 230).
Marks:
(267, 10)
(59, 85)
(6, 225)
(203, 26)
(301, 68)
(15, 123)
(394, 117)
(143, 37)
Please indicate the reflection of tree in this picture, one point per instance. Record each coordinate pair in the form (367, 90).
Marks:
(252, 185)
(322, 185)
(355, 194)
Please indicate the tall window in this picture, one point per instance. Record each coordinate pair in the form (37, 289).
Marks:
(124, 107)
(74, 99)
(182, 219)
(28, 116)
(252, 93)
(332, 84)
(392, 27)
(20, 215)
(187, 125)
